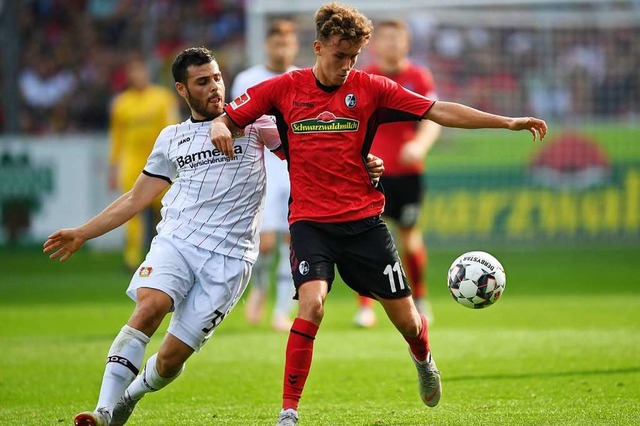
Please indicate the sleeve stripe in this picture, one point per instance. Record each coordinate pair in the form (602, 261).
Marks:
(157, 176)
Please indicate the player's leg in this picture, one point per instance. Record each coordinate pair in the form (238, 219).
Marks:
(254, 307)
(313, 272)
(370, 265)
(126, 353)
(218, 284)
(299, 352)
(161, 281)
(160, 370)
(285, 290)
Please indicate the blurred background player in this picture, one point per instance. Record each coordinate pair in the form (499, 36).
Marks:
(138, 114)
(403, 147)
(281, 48)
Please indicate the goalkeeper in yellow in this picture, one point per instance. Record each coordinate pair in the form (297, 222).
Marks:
(138, 114)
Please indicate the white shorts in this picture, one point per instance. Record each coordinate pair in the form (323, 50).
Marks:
(204, 285)
(276, 205)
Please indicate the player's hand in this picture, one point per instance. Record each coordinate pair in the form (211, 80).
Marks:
(221, 138)
(411, 153)
(536, 126)
(63, 243)
(375, 168)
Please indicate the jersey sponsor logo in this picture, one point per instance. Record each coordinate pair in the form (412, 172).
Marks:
(325, 122)
(145, 271)
(303, 267)
(350, 100)
(208, 156)
(303, 104)
(240, 100)
(185, 140)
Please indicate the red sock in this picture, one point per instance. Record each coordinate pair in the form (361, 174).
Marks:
(415, 264)
(365, 302)
(420, 344)
(298, 361)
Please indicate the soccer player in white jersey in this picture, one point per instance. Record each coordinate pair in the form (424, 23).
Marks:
(281, 48)
(200, 262)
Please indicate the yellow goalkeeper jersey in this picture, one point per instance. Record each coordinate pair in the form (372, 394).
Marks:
(137, 117)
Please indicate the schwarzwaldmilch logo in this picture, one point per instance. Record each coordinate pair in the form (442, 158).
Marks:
(325, 122)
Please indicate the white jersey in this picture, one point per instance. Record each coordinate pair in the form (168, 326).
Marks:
(214, 202)
(252, 76)
(276, 206)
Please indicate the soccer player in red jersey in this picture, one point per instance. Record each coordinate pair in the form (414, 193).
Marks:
(327, 117)
(403, 146)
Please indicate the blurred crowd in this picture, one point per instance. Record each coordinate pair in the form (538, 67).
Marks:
(73, 54)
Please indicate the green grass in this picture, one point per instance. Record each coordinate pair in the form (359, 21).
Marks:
(561, 348)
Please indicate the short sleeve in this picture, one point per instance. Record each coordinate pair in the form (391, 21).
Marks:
(255, 102)
(158, 163)
(404, 104)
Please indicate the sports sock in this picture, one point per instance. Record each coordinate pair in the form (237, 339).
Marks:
(298, 361)
(123, 363)
(415, 263)
(149, 380)
(285, 288)
(420, 344)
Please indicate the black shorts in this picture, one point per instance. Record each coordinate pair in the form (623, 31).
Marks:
(363, 251)
(403, 198)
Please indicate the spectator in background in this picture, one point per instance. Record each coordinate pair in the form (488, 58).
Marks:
(281, 49)
(45, 87)
(137, 116)
(403, 146)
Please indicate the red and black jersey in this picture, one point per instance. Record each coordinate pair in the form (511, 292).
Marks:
(326, 133)
(391, 137)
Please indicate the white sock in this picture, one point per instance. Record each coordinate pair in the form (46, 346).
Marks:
(284, 287)
(149, 380)
(123, 363)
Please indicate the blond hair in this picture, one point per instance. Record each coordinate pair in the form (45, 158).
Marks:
(344, 21)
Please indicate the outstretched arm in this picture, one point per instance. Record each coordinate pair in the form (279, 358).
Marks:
(63, 243)
(451, 114)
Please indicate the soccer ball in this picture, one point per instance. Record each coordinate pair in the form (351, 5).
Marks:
(476, 280)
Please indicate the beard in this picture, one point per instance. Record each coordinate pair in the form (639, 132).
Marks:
(202, 107)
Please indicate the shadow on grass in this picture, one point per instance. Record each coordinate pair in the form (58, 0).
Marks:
(544, 374)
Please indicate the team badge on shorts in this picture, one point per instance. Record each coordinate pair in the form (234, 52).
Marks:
(145, 271)
(350, 100)
(304, 267)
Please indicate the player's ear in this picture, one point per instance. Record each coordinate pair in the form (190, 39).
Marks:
(317, 46)
(181, 89)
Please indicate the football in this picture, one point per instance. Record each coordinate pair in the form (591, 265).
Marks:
(476, 280)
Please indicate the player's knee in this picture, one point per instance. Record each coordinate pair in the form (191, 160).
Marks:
(311, 310)
(148, 315)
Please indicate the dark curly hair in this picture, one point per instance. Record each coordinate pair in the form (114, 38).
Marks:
(345, 21)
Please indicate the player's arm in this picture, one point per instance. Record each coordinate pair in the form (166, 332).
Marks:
(416, 149)
(221, 131)
(63, 243)
(450, 114)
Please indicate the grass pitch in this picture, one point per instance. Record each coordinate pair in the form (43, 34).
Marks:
(561, 348)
